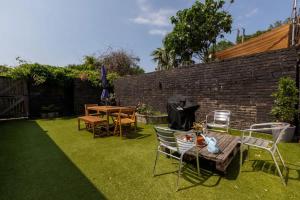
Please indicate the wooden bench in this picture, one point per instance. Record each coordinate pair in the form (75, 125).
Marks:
(92, 122)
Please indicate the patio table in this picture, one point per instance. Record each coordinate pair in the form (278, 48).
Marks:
(107, 110)
(228, 144)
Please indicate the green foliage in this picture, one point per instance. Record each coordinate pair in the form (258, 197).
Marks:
(39, 74)
(165, 60)
(286, 99)
(4, 70)
(220, 46)
(144, 109)
(111, 77)
(117, 63)
(196, 29)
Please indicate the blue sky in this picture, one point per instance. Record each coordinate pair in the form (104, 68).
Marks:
(61, 32)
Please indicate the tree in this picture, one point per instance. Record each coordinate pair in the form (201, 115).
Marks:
(115, 61)
(164, 59)
(90, 62)
(221, 45)
(196, 29)
(121, 62)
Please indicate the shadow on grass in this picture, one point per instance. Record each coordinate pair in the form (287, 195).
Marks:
(33, 167)
(129, 133)
(138, 134)
(207, 170)
(190, 174)
(269, 167)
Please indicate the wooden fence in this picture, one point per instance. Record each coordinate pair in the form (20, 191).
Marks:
(13, 98)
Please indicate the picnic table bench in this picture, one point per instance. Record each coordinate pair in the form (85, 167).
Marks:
(91, 122)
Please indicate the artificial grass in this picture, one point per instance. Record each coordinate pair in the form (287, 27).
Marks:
(50, 159)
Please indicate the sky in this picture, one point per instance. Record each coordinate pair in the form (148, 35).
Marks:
(61, 32)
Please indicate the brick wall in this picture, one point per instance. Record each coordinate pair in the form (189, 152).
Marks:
(243, 85)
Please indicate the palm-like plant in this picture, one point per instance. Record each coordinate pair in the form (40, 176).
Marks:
(164, 59)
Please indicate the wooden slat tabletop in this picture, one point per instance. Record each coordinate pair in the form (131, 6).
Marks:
(106, 108)
(227, 143)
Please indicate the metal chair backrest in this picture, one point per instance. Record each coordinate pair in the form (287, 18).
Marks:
(165, 136)
(222, 116)
(182, 144)
(277, 128)
(281, 128)
(86, 108)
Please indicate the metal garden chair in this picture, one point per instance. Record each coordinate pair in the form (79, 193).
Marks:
(221, 119)
(268, 145)
(172, 142)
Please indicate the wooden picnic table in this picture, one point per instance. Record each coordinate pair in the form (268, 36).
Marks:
(107, 110)
(228, 144)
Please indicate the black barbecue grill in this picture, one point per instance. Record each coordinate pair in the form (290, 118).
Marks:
(181, 113)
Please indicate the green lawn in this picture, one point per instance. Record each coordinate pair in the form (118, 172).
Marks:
(50, 159)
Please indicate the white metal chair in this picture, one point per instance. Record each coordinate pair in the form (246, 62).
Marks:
(221, 119)
(268, 145)
(168, 139)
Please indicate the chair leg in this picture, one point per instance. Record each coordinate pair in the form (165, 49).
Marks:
(248, 153)
(93, 126)
(278, 169)
(134, 127)
(120, 130)
(156, 158)
(241, 156)
(115, 130)
(280, 157)
(179, 173)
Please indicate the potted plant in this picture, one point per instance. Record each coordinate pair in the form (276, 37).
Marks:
(145, 114)
(284, 108)
(49, 111)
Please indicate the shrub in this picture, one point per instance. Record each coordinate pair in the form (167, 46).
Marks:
(286, 99)
(144, 109)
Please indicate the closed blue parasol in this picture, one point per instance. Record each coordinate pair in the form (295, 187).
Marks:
(104, 94)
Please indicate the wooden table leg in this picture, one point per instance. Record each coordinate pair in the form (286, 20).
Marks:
(93, 124)
(107, 124)
(78, 124)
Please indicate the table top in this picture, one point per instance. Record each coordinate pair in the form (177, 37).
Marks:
(106, 108)
(226, 142)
